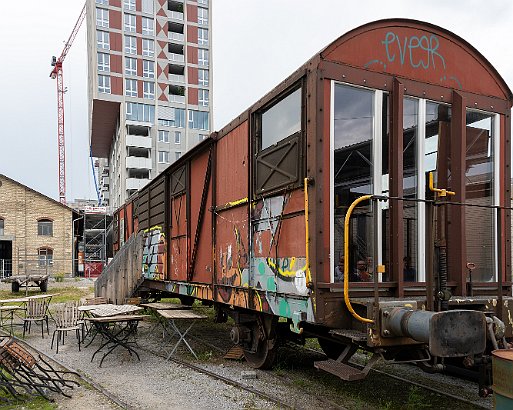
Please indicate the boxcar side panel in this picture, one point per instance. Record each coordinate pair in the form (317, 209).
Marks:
(200, 268)
(178, 239)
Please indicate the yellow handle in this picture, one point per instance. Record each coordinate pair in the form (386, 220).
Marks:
(440, 191)
(346, 259)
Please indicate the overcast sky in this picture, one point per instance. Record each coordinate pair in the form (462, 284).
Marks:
(256, 44)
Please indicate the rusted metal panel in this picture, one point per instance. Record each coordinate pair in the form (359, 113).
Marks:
(457, 252)
(232, 166)
(178, 239)
(434, 56)
(200, 268)
(232, 250)
(143, 209)
(177, 181)
(156, 203)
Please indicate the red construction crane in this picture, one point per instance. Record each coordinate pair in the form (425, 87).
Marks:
(57, 73)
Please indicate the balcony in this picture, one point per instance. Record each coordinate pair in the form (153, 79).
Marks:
(105, 196)
(177, 98)
(136, 183)
(138, 141)
(177, 78)
(176, 58)
(176, 15)
(138, 162)
(175, 36)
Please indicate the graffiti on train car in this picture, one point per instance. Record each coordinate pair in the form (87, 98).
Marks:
(187, 289)
(415, 51)
(154, 254)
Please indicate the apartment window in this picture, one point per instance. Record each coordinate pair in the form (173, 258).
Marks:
(130, 87)
(177, 121)
(104, 2)
(104, 84)
(178, 137)
(130, 23)
(163, 157)
(129, 4)
(102, 40)
(148, 69)
(148, 47)
(203, 77)
(102, 17)
(45, 227)
(178, 154)
(198, 120)
(202, 16)
(130, 66)
(203, 137)
(147, 26)
(103, 62)
(163, 136)
(140, 112)
(148, 89)
(45, 256)
(202, 57)
(1, 227)
(130, 45)
(202, 36)
(203, 97)
(203, 2)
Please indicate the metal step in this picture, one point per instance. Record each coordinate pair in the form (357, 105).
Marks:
(235, 353)
(344, 371)
(354, 335)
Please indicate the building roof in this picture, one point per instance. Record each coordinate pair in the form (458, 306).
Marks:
(35, 192)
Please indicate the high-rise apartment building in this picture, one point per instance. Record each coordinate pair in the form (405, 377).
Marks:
(150, 83)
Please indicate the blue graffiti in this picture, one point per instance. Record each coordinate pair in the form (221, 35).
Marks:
(416, 51)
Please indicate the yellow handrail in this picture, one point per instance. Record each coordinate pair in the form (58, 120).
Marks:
(346, 259)
(308, 274)
(442, 191)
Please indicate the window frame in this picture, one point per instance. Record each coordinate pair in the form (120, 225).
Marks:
(44, 227)
(129, 5)
(202, 36)
(203, 97)
(129, 47)
(150, 93)
(44, 256)
(102, 45)
(163, 157)
(298, 137)
(2, 226)
(179, 139)
(201, 78)
(202, 19)
(130, 87)
(102, 17)
(129, 23)
(203, 61)
(132, 71)
(146, 50)
(163, 136)
(104, 86)
(103, 66)
(148, 73)
(146, 30)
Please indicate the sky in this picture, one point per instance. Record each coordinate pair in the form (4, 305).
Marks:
(256, 45)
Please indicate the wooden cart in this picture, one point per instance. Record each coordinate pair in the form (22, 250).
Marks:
(32, 280)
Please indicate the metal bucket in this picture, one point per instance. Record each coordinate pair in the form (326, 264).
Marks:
(502, 368)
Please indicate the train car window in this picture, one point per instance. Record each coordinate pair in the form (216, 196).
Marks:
(352, 173)
(479, 190)
(281, 120)
(278, 131)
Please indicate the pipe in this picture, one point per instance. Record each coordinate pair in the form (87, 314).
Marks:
(346, 259)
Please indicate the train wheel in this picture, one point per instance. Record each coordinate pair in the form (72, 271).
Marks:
(263, 334)
(332, 349)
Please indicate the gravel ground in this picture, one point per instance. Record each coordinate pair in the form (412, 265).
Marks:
(154, 383)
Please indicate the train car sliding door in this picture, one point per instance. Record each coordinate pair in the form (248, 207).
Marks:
(178, 225)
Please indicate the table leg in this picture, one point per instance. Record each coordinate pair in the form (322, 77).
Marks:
(181, 338)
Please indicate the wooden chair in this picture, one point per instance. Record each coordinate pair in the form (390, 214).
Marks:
(37, 311)
(67, 318)
(96, 301)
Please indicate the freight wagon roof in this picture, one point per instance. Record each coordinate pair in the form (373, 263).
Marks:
(392, 46)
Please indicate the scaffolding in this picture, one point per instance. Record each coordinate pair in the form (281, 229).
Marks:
(92, 249)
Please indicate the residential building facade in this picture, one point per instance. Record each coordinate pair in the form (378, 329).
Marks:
(35, 231)
(150, 87)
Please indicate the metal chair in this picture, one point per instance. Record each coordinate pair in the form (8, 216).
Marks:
(67, 318)
(37, 311)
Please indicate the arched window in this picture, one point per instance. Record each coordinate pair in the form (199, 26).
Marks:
(45, 227)
(45, 256)
(1, 226)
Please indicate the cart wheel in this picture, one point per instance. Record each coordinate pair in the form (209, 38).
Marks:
(15, 287)
(44, 285)
(266, 345)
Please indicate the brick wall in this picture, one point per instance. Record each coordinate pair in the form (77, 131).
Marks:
(21, 208)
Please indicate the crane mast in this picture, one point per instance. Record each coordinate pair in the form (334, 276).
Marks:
(56, 73)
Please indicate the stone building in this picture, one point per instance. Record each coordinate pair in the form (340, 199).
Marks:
(35, 231)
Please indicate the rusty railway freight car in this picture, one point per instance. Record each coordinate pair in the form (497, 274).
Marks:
(386, 158)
